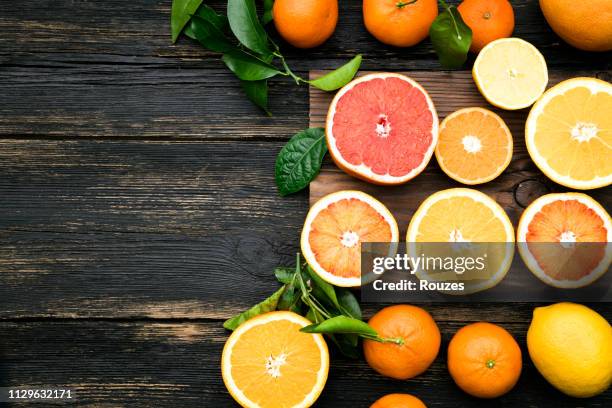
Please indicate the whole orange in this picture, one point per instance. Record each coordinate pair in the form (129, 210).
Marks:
(402, 23)
(398, 401)
(420, 337)
(488, 19)
(586, 25)
(305, 23)
(484, 360)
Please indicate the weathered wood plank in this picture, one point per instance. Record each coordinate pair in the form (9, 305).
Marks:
(138, 31)
(177, 364)
(157, 229)
(520, 183)
(107, 69)
(108, 101)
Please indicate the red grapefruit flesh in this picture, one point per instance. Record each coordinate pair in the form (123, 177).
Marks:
(382, 128)
(564, 239)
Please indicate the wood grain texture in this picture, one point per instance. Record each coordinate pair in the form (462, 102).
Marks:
(103, 228)
(138, 208)
(170, 364)
(101, 69)
(514, 189)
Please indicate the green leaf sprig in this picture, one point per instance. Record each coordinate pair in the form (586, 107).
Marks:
(333, 311)
(299, 161)
(450, 37)
(247, 49)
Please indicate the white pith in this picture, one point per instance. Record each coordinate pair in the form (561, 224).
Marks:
(499, 170)
(583, 132)
(456, 236)
(595, 86)
(413, 230)
(324, 203)
(512, 73)
(260, 320)
(532, 264)
(363, 169)
(383, 127)
(274, 363)
(471, 144)
(567, 237)
(349, 239)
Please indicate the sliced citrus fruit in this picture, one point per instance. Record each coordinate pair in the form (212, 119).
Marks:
(473, 226)
(510, 73)
(382, 128)
(564, 239)
(334, 230)
(268, 362)
(569, 133)
(474, 145)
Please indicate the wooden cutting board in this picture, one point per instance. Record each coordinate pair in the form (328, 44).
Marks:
(514, 189)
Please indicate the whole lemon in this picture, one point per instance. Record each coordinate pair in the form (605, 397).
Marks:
(571, 346)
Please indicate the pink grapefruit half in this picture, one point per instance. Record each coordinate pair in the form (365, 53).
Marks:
(382, 128)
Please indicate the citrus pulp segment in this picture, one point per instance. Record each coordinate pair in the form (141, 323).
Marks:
(474, 145)
(268, 362)
(510, 73)
(569, 133)
(382, 128)
(461, 217)
(564, 239)
(334, 230)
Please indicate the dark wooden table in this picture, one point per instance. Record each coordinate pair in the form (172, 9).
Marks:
(138, 208)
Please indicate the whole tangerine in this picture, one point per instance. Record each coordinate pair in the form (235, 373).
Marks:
(401, 23)
(484, 360)
(419, 338)
(305, 23)
(488, 19)
(398, 401)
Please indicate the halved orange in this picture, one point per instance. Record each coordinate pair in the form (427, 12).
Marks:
(473, 226)
(564, 239)
(267, 362)
(569, 133)
(334, 230)
(474, 145)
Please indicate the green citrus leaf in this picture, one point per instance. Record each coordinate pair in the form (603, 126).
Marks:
(267, 14)
(299, 161)
(341, 325)
(248, 67)
(451, 38)
(339, 77)
(219, 21)
(180, 15)
(257, 92)
(268, 305)
(284, 274)
(245, 25)
(210, 36)
(349, 303)
(326, 289)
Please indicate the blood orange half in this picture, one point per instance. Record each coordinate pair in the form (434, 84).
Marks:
(382, 128)
(334, 230)
(564, 239)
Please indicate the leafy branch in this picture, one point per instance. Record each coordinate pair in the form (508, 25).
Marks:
(246, 47)
(334, 311)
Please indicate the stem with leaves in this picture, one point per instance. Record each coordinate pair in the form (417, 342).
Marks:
(247, 49)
